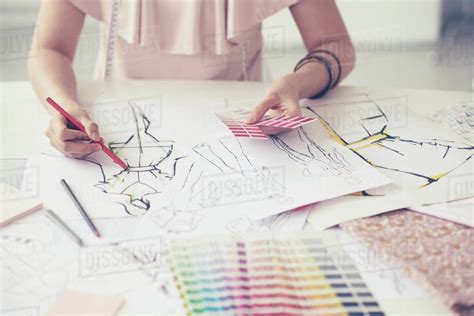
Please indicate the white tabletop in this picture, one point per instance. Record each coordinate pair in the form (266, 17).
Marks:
(20, 108)
(21, 115)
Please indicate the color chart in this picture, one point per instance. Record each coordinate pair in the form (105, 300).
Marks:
(235, 122)
(268, 276)
(283, 121)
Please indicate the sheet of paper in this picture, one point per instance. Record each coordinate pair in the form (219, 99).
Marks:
(179, 183)
(38, 261)
(428, 164)
(461, 211)
(458, 118)
(290, 221)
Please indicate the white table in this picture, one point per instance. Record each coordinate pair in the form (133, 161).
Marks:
(21, 115)
(20, 108)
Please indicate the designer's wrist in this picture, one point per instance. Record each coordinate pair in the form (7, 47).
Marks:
(291, 81)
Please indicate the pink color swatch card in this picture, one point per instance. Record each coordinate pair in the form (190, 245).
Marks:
(235, 122)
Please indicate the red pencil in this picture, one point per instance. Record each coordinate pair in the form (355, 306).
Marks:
(79, 126)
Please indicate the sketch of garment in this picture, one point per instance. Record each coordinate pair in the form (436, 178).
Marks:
(156, 181)
(415, 161)
(34, 264)
(315, 160)
(173, 190)
(458, 118)
(234, 178)
(151, 164)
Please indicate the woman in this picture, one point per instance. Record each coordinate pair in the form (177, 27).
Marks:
(182, 39)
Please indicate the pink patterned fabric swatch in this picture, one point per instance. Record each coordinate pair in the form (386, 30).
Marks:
(437, 252)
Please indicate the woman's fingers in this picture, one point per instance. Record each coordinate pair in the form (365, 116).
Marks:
(288, 107)
(71, 134)
(92, 129)
(259, 111)
(68, 141)
(76, 149)
(59, 124)
(292, 107)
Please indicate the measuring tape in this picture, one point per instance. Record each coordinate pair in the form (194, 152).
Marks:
(113, 29)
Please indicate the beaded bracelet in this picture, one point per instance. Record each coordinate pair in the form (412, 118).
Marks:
(323, 61)
(324, 51)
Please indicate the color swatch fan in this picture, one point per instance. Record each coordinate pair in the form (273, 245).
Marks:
(268, 276)
(235, 122)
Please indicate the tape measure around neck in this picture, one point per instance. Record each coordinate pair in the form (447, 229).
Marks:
(112, 38)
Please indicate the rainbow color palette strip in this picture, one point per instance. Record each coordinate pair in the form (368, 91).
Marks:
(268, 276)
(235, 122)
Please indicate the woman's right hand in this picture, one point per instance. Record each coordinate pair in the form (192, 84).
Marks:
(72, 142)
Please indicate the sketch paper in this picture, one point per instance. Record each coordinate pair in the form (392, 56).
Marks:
(290, 221)
(427, 163)
(35, 262)
(38, 261)
(460, 211)
(458, 118)
(178, 183)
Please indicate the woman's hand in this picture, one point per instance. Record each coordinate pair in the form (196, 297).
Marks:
(281, 99)
(71, 142)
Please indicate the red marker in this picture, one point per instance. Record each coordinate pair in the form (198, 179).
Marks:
(80, 127)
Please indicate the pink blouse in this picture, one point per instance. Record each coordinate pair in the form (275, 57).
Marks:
(180, 39)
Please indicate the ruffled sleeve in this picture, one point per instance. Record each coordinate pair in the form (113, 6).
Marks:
(243, 15)
(92, 8)
(183, 26)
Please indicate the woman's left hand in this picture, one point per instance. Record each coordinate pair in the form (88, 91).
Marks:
(281, 99)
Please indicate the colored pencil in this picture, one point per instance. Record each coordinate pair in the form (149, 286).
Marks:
(80, 127)
(58, 221)
(80, 208)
